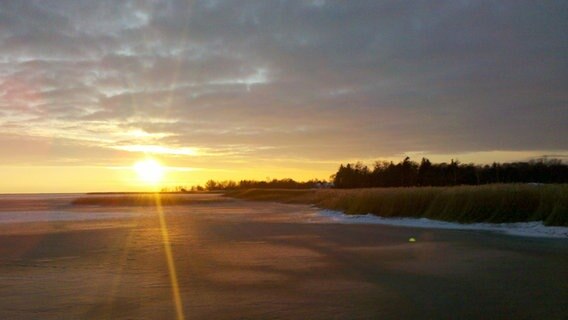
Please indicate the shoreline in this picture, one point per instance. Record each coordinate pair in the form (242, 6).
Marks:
(96, 206)
(533, 229)
(464, 204)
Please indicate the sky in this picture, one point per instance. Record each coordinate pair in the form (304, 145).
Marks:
(273, 89)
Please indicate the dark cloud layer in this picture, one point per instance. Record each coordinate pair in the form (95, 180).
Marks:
(310, 80)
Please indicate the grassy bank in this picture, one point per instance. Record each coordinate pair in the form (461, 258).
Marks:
(466, 204)
(145, 199)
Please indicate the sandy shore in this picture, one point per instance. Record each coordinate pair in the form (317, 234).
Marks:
(242, 260)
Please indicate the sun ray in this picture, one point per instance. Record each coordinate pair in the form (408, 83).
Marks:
(170, 259)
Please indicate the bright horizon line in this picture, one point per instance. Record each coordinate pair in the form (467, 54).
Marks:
(80, 179)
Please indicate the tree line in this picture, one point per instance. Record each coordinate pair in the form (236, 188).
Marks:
(408, 173)
(212, 185)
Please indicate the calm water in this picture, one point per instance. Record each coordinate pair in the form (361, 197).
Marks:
(16, 208)
(59, 207)
(259, 260)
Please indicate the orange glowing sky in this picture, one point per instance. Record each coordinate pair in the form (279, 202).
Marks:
(221, 90)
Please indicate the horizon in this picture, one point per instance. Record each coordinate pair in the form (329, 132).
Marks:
(187, 188)
(227, 91)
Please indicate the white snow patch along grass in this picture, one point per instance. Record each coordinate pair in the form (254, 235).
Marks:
(526, 229)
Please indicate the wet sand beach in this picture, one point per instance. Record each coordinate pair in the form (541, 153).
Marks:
(248, 260)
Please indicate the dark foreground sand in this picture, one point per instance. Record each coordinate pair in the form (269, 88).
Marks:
(241, 260)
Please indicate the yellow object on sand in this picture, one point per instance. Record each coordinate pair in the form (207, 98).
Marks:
(411, 240)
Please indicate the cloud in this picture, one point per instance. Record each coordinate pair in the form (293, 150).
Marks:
(150, 149)
(302, 80)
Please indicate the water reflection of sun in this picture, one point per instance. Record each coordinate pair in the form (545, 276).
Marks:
(149, 171)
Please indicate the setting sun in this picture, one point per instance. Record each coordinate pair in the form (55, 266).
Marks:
(149, 171)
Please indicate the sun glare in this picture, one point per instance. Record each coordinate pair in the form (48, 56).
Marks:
(149, 171)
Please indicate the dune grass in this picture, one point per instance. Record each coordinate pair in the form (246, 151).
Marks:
(466, 204)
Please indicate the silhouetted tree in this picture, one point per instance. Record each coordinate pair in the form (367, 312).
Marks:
(408, 173)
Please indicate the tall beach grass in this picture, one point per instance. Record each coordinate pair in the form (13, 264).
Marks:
(466, 204)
